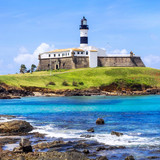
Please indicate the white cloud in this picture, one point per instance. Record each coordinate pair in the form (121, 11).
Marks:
(117, 52)
(24, 57)
(152, 61)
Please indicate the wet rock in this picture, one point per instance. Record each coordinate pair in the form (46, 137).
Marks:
(102, 158)
(25, 144)
(86, 151)
(86, 136)
(38, 135)
(7, 116)
(15, 126)
(129, 158)
(115, 147)
(100, 148)
(46, 145)
(18, 150)
(45, 156)
(118, 134)
(153, 157)
(99, 121)
(91, 130)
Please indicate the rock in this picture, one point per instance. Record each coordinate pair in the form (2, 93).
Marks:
(48, 145)
(100, 148)
(115, 147)
(153, 157)
(129, 158)
(99, 121)
(87, 135)
(44, 156)
(18, 150)
(86, 151)
(102, 158)
(91, 130)
(26, 145)
(118, 134)
(38, 135)
(15, 126)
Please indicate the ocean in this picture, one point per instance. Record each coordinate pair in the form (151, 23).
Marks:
(137, 117)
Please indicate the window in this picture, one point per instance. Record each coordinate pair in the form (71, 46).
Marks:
(48, 65)
(49, 55)
(54, 55)
(86, 52)
(59, 55)
(68, 53)
(81, 52)
(77, 52)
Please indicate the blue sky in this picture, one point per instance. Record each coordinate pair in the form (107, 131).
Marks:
(119, 26)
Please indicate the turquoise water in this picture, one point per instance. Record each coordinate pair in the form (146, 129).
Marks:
(69, 117)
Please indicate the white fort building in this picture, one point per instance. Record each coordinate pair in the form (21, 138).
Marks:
(84, 56)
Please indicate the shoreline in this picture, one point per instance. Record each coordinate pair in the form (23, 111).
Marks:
(39, 146)
(9, 92)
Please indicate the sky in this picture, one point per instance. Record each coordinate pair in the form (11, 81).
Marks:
(28, 28)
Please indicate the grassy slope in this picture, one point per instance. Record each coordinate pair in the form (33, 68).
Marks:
(89, 76)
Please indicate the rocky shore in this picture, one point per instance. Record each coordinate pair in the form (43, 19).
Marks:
(10, 92)
(28, 145)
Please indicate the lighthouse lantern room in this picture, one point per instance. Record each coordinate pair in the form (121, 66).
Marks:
(83, 33)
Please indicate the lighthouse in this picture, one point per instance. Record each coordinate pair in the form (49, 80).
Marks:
(83, 33)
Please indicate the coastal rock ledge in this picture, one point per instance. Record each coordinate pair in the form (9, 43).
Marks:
(15, 126)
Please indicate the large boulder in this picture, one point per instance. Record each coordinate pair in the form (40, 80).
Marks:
(99, 121)
(15, 126)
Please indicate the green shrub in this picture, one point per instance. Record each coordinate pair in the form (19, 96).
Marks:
(74, 83)
(65, 83)
(81, 83)
(51, 83)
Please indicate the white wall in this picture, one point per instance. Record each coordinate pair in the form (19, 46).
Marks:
(93, 59)
(46, 55)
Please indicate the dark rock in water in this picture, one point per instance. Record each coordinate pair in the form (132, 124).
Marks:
(102, 158)
(153, 157)
(26, 145)
(15, 126)
(100, 148)
(91, 130)
(129, 158)
(115, 147)
(86, 151)
(87, 135)
(99, 121)
(116, 133)
(73, 150)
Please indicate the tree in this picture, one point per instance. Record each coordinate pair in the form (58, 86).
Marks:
(33, 67)
(23, 68)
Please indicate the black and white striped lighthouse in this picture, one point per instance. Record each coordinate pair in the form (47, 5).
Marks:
(83, 33)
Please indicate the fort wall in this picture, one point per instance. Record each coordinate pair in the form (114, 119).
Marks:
(120, 62)
(63, 63)
(83, 62)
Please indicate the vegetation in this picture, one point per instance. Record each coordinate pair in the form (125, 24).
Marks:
(85, 77)
(33, 67)
(23, 68)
